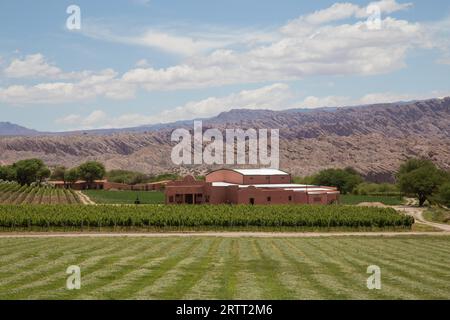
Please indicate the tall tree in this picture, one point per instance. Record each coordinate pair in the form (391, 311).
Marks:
(30, 170)
(345, 180)
(58, 173)
(7, 173)
(71, 176)
(91, 170)
(420, 178)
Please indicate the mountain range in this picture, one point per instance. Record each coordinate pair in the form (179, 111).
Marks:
(374, 139)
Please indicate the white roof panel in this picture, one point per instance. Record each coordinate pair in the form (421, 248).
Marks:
(261, 172)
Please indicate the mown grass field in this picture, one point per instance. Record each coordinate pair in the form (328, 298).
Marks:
(225, 268)
(355, 199)
(125, 197)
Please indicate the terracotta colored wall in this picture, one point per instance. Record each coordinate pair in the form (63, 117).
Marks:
(258, 179)
(260, 196)
(225, 176)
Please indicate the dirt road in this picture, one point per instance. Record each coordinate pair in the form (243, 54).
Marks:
(84, 198)
(217, 234)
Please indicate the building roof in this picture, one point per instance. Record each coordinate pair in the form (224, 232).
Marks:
(287, 186)
(261, 172)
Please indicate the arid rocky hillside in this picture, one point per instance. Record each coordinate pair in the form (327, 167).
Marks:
(373, 139)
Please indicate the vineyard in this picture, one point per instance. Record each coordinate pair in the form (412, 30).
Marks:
(13, 193)
(201, 217)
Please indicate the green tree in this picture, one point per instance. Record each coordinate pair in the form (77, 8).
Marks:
(344, 179)
(71, 176)
(59, 173)
(30, 170)
(420, 178)
(7, 173)
(42, 174)
(128, 177)
(443, 195)
(91, 170)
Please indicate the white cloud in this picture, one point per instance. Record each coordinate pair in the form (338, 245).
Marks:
(312, 102)
(143, 63)
(311, 45)
(103, 83)
(334, 50)
(33, 65)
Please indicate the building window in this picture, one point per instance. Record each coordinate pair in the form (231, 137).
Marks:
(290, 198)
(171, 199)
(206, 198)
(269, 199)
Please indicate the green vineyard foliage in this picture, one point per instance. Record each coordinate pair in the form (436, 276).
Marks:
(14, 193)
(201, 216)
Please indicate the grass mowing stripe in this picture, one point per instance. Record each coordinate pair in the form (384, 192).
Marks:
(435, 246)
(119, 286)
(267, 272)
(357, 267)
(408, 276)
(46, 268)
(300, 272)
(56, 289)
(296, 282)
(120, 273)
(14, 244)
(55, 277)
(227, 287)
(208, 287)
(192, 273)
(325, 276)
(99, 277)
(157, 269)
(20, 252)
(389, 291)
(158, 289)
(31, 266)
(421, 271)
(418, 256)
(416, 266)
(335, 271)
(248, 285)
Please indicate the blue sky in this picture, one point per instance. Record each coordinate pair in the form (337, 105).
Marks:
(136, 62)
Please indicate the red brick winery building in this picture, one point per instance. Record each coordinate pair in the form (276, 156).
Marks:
(247, 186)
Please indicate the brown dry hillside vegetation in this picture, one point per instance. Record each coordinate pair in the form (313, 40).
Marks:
(373, 139)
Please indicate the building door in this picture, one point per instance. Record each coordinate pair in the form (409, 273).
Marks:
(252, 201)
(188, 198)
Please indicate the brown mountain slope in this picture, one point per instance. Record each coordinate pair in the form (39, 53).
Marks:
(373, 139)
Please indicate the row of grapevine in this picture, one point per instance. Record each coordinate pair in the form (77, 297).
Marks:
(13, 193)
(201, 216)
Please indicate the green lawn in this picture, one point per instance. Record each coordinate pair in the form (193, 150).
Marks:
(439, 215)
(225, 268)
(125, 197)
(355, 199)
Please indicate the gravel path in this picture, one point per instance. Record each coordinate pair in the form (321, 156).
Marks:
(217, 234)
(84, 198)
